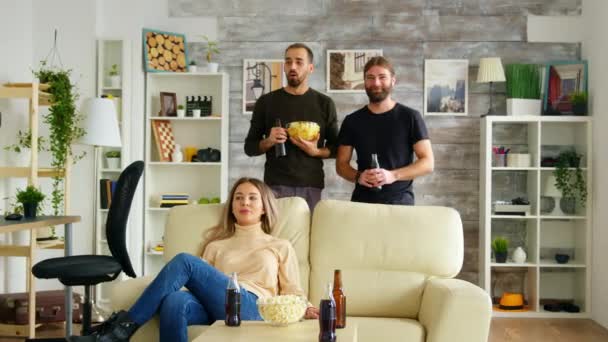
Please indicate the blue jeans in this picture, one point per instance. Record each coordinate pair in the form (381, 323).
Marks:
(203, 304)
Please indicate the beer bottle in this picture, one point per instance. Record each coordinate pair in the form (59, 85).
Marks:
(375, 165)
(327, 317)
(279, 149)
(340, 300)
(233, 302)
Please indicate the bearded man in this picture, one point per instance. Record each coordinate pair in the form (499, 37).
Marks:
(392, 131)
(300, 171)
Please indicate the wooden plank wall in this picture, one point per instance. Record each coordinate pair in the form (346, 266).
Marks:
(408, 32)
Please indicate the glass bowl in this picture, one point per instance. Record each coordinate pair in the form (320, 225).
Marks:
(281, 311)
(306, 130)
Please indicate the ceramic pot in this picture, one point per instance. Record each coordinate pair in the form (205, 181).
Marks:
(519, 255)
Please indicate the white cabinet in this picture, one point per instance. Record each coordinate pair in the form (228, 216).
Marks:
(113, 67)
(197, 179)
(541, 233)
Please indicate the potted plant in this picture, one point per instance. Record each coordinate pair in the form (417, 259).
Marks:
(569, 179)
(212, 48)
(181, 112)
(114, 76)
(192, 66)
(113, 160)
(30, 198)
(523, 89)
(500, 246)
(23, 147)
(579, 102)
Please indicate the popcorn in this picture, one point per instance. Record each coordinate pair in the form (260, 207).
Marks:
(306, 130)
(282, 310)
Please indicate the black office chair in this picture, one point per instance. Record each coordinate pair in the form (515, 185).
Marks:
(90, 270)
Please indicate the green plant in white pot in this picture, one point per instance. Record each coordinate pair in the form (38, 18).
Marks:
(523, 89)
(23, 148)
(114, 76)
(212, 49)
(113, 159)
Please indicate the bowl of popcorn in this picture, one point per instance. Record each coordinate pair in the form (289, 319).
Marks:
(306, 130)
(282, 310)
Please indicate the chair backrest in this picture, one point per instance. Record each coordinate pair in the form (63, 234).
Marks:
(186, 225)
(386, 253)
(118, 215)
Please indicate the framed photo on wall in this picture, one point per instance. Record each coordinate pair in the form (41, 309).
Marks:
(446, 87)
(164, 51)
(168, 104)
(345, 70)
(562, 80)
(260, 76)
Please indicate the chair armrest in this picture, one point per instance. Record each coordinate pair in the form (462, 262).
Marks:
(455, 310)
(123, 294)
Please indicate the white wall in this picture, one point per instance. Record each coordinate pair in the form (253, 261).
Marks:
(596, 52)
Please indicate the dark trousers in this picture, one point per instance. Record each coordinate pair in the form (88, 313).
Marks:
(310, 194)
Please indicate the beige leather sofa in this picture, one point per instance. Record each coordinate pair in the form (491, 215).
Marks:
(397, 263)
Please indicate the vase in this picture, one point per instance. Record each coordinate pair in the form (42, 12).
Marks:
(568, 205)
(501, 257)
(191, 68)
(579, 109)
(113, 163)
(517, 107)
(115, 81)
(212, 67)
(519, 255)
(181, 113)
(29, 210)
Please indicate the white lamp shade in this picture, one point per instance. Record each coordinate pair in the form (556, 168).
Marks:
(550, 190)
(490, 70)
(100, 123)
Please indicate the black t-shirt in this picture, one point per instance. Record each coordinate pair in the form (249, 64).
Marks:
(297, 168)
(392, 136)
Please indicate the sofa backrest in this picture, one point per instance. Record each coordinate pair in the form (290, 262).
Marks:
(386, 253)
(186, 225)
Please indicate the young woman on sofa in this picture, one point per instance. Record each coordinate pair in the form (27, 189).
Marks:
(266, 266)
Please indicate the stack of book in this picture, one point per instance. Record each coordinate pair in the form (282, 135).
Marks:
(171, 200)
(106, 190)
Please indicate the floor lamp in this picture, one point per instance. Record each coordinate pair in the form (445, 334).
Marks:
(490, 71)
(101, 126)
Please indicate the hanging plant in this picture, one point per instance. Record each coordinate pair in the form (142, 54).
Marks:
(571, 182)
(63, 120)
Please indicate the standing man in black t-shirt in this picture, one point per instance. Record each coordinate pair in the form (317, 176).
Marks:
(392, 131)
(300, 171)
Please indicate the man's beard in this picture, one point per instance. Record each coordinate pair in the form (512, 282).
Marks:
(295, 81)
(375, 97)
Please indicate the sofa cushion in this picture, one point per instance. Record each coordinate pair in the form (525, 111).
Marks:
(385, 252)
(186, 225)
(387, 329)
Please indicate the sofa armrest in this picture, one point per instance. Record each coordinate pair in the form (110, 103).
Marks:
(123, 294)
(455, 310)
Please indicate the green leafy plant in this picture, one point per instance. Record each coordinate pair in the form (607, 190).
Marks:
(24, 141)
(523, 81)
(113, 70)
(570, 182)
(63, 121)
(113, 154)
(31, 195)
(192, 62)
(578, 98)
(212, 49)
(500, 245)
(180, 107)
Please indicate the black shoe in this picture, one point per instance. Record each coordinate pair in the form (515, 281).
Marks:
(119, 327)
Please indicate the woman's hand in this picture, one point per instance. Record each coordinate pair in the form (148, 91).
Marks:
(311, 313)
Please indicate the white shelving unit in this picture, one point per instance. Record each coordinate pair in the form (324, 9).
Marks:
(541, 234)
(110, 52)
(197, 179)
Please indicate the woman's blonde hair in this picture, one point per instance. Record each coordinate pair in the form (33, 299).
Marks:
(226, 228)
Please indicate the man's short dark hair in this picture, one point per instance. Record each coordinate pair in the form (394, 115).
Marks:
(301, 46)
(381, 62)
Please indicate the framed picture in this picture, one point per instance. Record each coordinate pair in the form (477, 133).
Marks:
(163, 137)
(562, 79)
(164, 51)
(345, 70)
(446, 87)
(168, 104)
(260, 76)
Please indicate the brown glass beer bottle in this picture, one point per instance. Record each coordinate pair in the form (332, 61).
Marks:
(340, 300)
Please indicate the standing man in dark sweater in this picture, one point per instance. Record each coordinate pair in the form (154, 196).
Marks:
(392, 131)
(300, 172)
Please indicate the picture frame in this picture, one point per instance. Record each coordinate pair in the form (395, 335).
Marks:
(345, 69)
(164, 51)
(260, 76)
(446, 87)
(561, 79)
(168, 104)
(163, 138)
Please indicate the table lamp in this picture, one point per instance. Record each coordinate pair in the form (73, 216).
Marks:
(490, 71)
(101, 127)
(550, 190)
